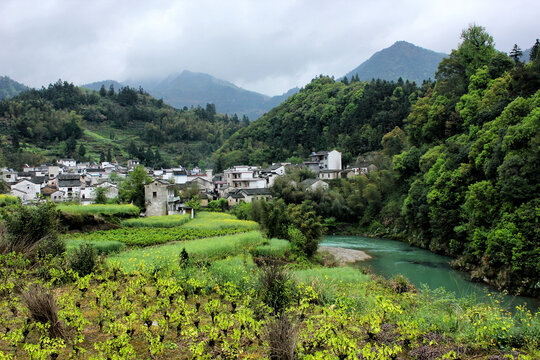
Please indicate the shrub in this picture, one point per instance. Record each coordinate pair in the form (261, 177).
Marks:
(276, 287)
(282, 335)
(51, 245)
(400, 284)
(43, 309)
(26, 226)
(83, 259)
(7, 200)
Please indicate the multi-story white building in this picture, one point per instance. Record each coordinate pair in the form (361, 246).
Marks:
(244, 177)
(328, 160)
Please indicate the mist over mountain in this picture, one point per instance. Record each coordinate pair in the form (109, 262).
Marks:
(193, 89)
(10, 87)
(403, 59)
(107, 83)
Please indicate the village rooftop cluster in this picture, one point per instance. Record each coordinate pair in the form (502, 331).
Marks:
(70, 181)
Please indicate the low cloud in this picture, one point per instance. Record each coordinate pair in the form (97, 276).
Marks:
(265, 46)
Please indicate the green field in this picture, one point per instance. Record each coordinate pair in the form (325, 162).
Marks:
(123, 210)
(217, 221)
(158, 221)
(167, 256)
(203, 226)
(273, 248)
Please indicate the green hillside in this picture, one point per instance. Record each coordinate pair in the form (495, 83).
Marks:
(9, 87)
(63, 120)
(325, 114)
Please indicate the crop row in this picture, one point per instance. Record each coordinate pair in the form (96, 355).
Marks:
(124, 210)
(152, 236)
(167, 256)
(217, 221)
(157, 221)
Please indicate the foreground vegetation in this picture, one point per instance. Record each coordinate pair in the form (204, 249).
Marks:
(232, 296)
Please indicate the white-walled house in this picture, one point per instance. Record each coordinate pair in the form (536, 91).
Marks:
(26, 190)
(70, 185)
(244, 177)
(314, 184)
(70, 163)
(328, 160)
(329, 174)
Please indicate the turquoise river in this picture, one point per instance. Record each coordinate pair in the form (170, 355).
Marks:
(422, 268)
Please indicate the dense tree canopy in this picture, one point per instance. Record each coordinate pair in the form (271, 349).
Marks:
(54, 119)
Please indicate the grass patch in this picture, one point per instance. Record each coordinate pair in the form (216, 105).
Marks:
(217, 221)
(101, 247)
(332, 276)
(158, 221)
(124, 210)
(331, 283)
(237, 270)
(148, 236)
(273, 248)
(167, 256)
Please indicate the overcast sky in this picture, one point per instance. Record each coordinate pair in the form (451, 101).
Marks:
(264, 46)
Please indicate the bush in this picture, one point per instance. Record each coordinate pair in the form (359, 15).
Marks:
(83, 259)
(51, 245)
(276, 287)
(282, 335)
(26, 226)
(400, 284)
(43, 309)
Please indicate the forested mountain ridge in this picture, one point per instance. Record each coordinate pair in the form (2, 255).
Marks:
(10, 88)
(325, 114)
(401, 60)
(197, 89)
(63, 120)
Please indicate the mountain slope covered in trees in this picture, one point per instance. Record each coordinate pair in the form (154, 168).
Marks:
(401, 60)
(63, 120)
(326, 114)
(10, 88)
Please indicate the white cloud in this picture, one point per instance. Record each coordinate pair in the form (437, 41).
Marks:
(267, 46)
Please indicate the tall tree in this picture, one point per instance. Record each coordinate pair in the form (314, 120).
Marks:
(516, 53)
(102, 91)
(131, 190)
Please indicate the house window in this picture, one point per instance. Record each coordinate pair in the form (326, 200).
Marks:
(154, 194)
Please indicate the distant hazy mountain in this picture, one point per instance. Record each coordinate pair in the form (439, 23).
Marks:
(403, 59)
(9, 87)
(193, 89)
(526, 55)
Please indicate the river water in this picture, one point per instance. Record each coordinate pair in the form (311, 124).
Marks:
(422, 268)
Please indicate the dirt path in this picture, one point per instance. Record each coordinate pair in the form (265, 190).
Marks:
(344, 256)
